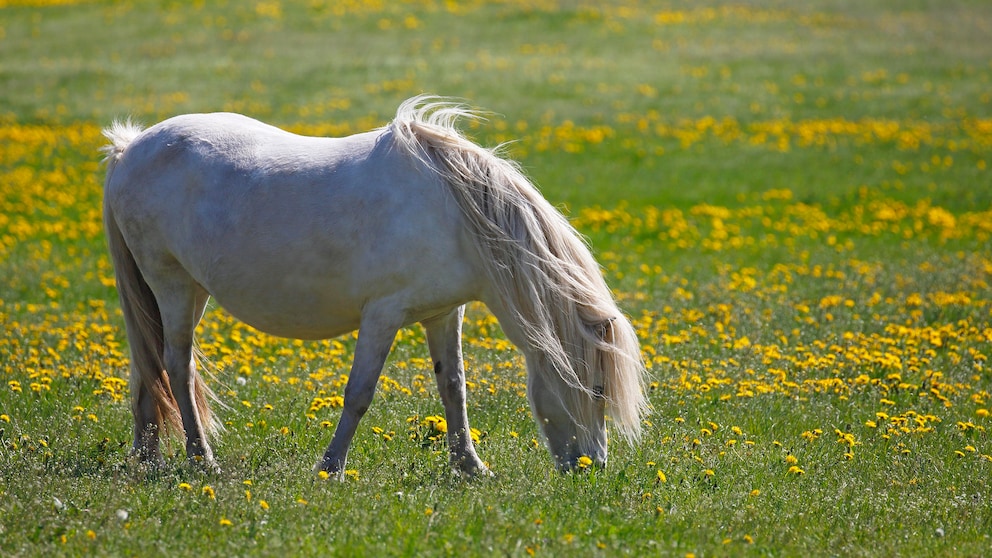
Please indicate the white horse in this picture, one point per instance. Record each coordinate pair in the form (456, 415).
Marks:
(311, 238)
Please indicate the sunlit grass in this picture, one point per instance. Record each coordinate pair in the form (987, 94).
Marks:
(792, 204)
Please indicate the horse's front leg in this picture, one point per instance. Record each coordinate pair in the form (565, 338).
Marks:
(375, 338)
(444, 340)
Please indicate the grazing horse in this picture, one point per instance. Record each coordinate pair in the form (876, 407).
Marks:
(311, 238)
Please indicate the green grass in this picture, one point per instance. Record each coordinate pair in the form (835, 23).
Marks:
(793, 203)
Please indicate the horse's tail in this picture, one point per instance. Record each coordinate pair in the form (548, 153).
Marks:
(142, 316)
(543, 271)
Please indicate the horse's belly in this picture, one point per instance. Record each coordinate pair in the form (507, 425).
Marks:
(293, 320)
(326, 299)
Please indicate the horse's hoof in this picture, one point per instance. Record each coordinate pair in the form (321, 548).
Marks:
(474, 471)
(328, 469)
(204, 464)
(147, 460)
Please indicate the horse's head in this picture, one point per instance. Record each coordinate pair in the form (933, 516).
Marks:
(604, 379)
(572, 419)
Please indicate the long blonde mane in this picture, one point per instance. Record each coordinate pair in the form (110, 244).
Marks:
(539, 264)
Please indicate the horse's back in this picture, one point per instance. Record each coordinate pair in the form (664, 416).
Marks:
(293, 234)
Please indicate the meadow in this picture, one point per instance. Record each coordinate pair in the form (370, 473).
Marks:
(791, 200)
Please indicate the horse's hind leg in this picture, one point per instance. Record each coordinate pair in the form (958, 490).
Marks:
(444, 340)
(147, 422)
(380, 323)
(181, 304)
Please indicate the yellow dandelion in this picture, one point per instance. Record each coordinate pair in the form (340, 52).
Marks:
(323, 475)
(795, 470)
(661, 476)
(225, 522)
(208, 491)
(791, 459)
(185, 486)
(263, 504)
(584, 461)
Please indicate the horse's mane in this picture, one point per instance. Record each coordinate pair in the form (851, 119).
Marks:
(539, 263)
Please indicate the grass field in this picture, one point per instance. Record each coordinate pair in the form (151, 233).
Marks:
(791, 200)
